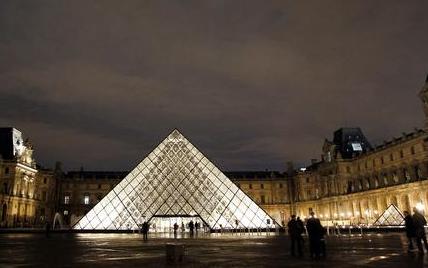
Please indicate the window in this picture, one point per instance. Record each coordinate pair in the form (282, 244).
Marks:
(99, 186)
(401, 153)
(262, 199)
(44, 196)
(307, 180)
(368, 184)
(382, 160)
(391, 157)
(376, 181)
(418, 173)
(406, 174)
(374, 162)
(262, 186)
(348, 169)
(360, 184)
(395, 176)
(86, 199)
(280, 185)
(6, 170)
(250, 186)
(45, 180)
(65, 212)
(385, 179)
(412, 149)
(66, 199)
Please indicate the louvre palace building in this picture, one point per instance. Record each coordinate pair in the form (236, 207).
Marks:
(354, 183)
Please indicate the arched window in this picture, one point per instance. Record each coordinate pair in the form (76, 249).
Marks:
(368, 183)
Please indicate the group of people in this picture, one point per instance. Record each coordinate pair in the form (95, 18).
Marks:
(415, 230)
(192, 227)
(315, 231)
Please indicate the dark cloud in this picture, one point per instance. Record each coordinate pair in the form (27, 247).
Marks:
(252, 83)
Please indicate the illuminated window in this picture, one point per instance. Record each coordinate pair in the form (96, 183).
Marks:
(65, 212)
(66, 199)
(395, 177)
(86, 199)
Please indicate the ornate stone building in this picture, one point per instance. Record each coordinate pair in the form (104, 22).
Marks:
(352, 184)
(25, 193)
(355, 183)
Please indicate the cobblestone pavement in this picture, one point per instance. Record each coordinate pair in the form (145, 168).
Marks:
(211, 250)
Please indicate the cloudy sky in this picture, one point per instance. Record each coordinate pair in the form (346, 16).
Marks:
(252, 83)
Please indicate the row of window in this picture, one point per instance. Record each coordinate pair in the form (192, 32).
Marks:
(86, 199)
(365, 183)
(250, 185)
(382, 160)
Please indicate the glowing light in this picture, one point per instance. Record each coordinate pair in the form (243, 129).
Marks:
(349, 214)
(420, 206)
(165, 183)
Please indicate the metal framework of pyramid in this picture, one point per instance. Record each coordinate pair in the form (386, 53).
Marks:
(175, 179)
(390, 217)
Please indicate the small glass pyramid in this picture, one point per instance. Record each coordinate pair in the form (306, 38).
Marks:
(175, 179)
(390, 217)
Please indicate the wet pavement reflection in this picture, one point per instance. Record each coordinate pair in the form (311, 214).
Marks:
(205, 250)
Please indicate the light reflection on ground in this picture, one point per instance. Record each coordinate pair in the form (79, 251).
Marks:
(218, 250)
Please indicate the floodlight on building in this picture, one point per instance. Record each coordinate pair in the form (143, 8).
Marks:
(335, 215)
(342, 214)
(349, 214)
(420, 206)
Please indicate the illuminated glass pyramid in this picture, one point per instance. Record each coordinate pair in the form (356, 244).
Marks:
(175, 179)
(390, 217)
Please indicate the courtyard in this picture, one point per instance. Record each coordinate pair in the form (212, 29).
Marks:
(202, 250)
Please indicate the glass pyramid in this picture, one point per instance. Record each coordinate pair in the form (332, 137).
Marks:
(390, 217)
(175, 179)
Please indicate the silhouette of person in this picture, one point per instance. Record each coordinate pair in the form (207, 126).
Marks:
(419, 222)
(295, 233)
(191, 226)
(175, 230)
(410, 229)
(315, 234)
(145, 230)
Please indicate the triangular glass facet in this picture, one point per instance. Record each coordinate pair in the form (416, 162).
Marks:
(175, 179)
(390, 217)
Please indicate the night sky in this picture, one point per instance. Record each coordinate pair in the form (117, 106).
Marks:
(252, 84)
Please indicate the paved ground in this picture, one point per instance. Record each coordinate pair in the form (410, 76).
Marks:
(214, 250)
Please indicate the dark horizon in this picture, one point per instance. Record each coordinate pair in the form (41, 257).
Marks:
(253, 84)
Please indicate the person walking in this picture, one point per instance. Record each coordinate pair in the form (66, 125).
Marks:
(295, 233)
(191, 226)
(175, 230)
(145, 230)
(410, 230)
(419, 223)
(315, 234)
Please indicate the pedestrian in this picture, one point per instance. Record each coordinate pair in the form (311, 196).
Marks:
(315, 234)
(295, 233)
(196, 226)
(191, 226)
(419, 222)
(145, 230)
(175, 230)
(302, 230)
(47, 228)
(410, 230)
